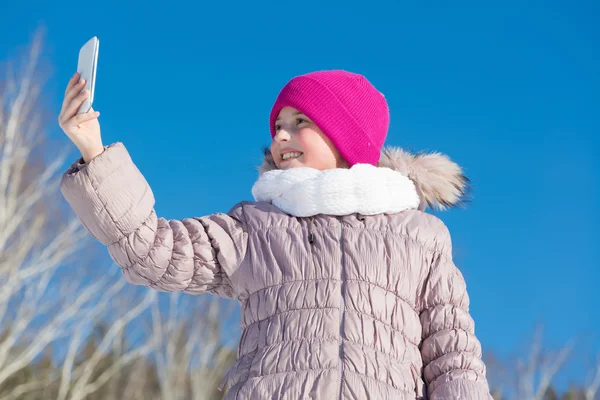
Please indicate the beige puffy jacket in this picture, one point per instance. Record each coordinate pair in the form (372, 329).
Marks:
(349, 306)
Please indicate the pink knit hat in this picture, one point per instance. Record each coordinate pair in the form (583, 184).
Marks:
(346, 106)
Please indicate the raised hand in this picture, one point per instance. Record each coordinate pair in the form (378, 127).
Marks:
(82, 129)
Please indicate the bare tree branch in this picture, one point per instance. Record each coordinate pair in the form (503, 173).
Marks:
(592, 388)
(77, 339)
(82, 386)
(53, 330)
(25, 388)
(28, 261)
(539, 369)
(36, 247)
(123, 360)
(550, 367)
(190, 357)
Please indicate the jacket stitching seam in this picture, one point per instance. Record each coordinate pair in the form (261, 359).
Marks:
(386, 324)
(435, 264)
(479, 380)
(104, 204)
(300, 339)
(151, 246)
(458, 352)
(283, 373)
(404, 390)
(387, 290)
(285, 312)
(390, 356)
(253, 229)
(325, 369)
(334, 280)
(247, 373)
(455, 329)
(286, 282)
(221, 274)
(424, 246)
(443, 326)
(146, 242)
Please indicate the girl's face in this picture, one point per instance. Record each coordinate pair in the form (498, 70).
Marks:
(298, 142)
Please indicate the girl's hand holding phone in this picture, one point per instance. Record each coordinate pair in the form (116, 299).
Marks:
(82, 129)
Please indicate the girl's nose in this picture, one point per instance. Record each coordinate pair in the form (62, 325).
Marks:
(282, 136)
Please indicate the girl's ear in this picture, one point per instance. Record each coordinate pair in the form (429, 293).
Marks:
(268, 164)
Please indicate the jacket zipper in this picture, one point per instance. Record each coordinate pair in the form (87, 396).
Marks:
(342, 308)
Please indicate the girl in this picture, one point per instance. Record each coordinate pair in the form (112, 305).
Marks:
(347, 287)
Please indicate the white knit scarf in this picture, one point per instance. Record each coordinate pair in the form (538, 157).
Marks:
(363, 189)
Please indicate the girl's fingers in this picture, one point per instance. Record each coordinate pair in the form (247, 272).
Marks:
(88, 116)
(73, 106)
(74, 79)
(72, 92)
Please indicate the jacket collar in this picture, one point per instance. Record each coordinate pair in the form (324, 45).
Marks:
(438, 182)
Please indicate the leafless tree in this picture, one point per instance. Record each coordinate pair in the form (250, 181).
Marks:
(529, 374)
(192, 350)
(43, 296)
(51, 293)
(539, 367)
(594, 383)
(77, 382)
(29, 255)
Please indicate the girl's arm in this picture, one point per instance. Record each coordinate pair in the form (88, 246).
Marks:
(116, 205)
(451, 353)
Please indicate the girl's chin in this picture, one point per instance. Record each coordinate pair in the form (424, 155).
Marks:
(289, 166)
(292, 163)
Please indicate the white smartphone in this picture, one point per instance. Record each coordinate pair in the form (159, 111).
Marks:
(87, 66)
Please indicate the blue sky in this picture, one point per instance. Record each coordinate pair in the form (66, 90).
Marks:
(511, 92)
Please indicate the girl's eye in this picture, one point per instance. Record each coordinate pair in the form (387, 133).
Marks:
(300, 121)
(277, 128)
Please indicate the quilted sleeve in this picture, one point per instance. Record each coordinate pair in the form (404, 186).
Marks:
(453, 368)
(114, 202)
